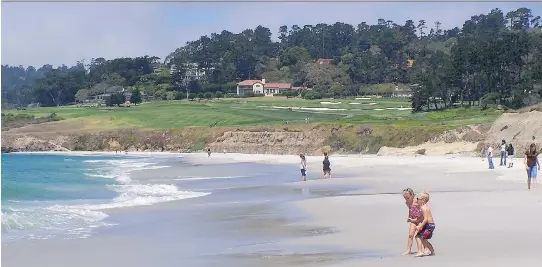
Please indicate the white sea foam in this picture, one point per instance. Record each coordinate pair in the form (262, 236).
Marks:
(78, 220)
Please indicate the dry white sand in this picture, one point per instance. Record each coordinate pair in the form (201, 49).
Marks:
(483, 217)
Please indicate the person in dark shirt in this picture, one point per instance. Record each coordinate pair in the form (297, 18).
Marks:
(327, 167)
(510, 152)
(532, 165)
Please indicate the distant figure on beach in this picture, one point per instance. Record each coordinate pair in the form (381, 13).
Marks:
(426, 227)
(326, 167)
(484, 153)
(414, 215)
(532, 165)
(303, 167)
(503, 153)
(510, 151)
(489, 151)
(208, 152)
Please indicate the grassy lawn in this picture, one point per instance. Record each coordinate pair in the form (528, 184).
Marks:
(258, 111)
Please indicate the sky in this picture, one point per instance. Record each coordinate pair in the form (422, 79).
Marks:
(65, 32)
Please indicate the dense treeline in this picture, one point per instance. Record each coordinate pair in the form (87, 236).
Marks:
(495, 58)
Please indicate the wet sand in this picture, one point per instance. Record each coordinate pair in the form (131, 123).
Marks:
(483, 217)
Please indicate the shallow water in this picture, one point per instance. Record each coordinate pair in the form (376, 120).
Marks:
(168, 211)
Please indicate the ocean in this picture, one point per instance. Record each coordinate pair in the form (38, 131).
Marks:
(156, 210)
(45, 196)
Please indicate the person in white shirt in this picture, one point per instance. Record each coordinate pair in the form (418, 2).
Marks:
(490, 156)
(503, 153)
(303, 167)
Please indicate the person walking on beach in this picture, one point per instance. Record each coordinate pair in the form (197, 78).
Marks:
(489, 152)
(414, 215)
(425, 229)
(208, 152)
(532, 165)
(303, 167)
(503, 153)
(510, 152)
(326, 167)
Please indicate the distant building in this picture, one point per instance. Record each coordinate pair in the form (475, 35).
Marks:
(271, 89)
(324, 61)
(250, 86)
(261, 87)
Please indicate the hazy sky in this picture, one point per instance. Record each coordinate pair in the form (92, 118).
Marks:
(63, 33)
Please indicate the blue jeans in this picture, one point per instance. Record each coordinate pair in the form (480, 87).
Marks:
(503, 158)
(532, 172)
(490, 160)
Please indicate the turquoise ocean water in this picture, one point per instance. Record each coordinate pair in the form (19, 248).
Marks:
(46, 196)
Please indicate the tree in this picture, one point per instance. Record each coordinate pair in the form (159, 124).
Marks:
(136, 96)
(82, 95)
(496, 54)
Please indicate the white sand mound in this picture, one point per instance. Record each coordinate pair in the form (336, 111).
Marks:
(378, 109)
(369, 104)
(363, 98)
(354, 103)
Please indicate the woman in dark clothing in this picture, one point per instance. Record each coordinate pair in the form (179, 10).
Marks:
(327, 167)
(531, 165)
(510, 152)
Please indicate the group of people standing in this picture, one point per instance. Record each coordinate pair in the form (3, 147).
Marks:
(506, 154)
(326, 167)
(530, 160)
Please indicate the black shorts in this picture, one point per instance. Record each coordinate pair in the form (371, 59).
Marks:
(303, 172)
(327, 171)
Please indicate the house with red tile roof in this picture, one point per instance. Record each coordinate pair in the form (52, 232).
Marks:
(253, 86)
(261, 87)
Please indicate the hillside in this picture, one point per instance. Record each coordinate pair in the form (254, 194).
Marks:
(254, 125)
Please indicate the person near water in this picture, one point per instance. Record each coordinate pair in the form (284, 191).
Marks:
(208, 152)
(489, 152)
(303, 167)
(503, 153)
(510, 151)
(425, 229)
(413, 217)
(532, 165)
(326, 167)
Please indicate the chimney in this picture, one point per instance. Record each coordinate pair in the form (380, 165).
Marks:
(263, 81)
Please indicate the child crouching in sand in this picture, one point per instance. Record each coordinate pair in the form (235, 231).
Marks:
(426, 228)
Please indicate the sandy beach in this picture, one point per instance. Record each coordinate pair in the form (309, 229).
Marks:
(483, 217)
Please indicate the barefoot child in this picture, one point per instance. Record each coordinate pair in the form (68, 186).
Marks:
(414, 217)
(426, 227)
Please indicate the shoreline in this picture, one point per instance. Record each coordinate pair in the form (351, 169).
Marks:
(368, 224)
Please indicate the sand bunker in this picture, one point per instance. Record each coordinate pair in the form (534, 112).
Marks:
(369, 104)
(363, 98)
(331, 103)
(378, 109)
(399, 108)
(354, 103)
(314, 109)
